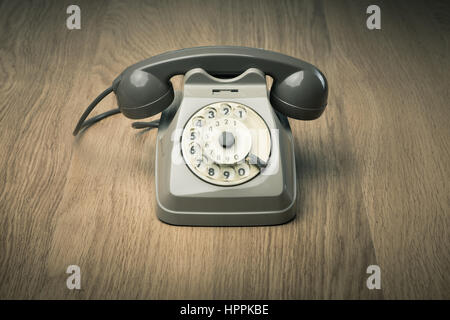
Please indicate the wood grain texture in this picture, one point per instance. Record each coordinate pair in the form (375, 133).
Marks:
(373, 171)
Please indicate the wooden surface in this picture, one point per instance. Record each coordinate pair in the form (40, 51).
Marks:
(373, 171)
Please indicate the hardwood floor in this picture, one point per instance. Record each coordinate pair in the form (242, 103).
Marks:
(373, 171)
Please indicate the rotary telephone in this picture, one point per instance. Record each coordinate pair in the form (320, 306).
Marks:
(224, 152)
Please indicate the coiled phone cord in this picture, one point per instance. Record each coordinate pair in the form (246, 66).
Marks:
(83, 124)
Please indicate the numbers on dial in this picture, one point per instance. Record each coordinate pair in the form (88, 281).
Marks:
(243, 170)
(228, 173)
(212, 171)
(240, 113)
(211, 113)
(198, 122)
(225, 109)
(194, 134)
(195, 149)
(201, 162)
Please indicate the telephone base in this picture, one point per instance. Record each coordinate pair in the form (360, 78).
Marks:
(189, 202)
(184, 198)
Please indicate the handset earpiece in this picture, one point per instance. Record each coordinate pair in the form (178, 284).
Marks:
(301, 95)
(140, 94)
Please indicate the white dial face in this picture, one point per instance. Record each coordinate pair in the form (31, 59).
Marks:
(226, 143)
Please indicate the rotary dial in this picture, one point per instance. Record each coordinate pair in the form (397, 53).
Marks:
(226, 143)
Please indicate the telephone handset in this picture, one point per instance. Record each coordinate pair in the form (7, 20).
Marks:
(224, 153)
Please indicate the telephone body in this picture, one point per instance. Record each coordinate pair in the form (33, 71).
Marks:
(224, 150)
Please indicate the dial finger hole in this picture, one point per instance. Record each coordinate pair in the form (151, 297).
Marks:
(240, 113)
(213, 171)
(201, 163)
(198, 122)
(225, 109)
(195, 150)
(228, 173)
(243, 170)
(211, 113)
(194, 134)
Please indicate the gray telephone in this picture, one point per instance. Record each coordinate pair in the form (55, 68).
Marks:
(224, 154)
